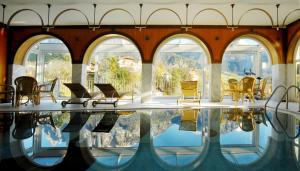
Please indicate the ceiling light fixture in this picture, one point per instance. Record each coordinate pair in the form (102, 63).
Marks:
(3, 12)
(94, 25)
(186, 27)
(140, 27)
(232, 27)
(48, 24)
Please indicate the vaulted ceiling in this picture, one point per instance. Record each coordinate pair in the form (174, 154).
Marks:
(153, 12)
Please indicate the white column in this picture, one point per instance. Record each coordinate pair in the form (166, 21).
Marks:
(79, 73)
(146, 82)
(215, 82)
(278, 78)
(291, 80)
(278, 75)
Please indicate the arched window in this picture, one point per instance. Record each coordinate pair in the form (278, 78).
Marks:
(48, 59)
(180, 58)
(247, 57)
(115, 60)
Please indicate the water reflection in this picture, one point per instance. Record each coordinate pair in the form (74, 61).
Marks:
(41, 137)
(178, 135)
(112, 136)
(155, 139)
(244, 134)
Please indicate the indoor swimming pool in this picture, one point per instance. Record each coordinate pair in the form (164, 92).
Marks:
(158, 139)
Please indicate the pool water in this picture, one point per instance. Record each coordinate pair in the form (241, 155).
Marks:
(164, 139)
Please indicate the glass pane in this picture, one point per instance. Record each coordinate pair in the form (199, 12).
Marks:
(247, 57)
(180, 59)
(116, 61)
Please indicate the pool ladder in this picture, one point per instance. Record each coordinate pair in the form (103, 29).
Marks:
(284, 98)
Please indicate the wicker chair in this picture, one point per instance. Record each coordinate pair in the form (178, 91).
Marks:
(7, 93)
(233, 89)
(247, 88)
(26, 87)
(46, 90)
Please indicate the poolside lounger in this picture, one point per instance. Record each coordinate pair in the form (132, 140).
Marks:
(110, 93)
(107, 122)
(82, 96)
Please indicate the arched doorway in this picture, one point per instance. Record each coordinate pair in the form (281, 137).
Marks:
(247, 56)
(178, 58)
(45, 58)
(116, 60)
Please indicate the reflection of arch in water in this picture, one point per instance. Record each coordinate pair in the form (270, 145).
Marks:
(91, 136)
(234, 148)
(34, 152)
(191, 155)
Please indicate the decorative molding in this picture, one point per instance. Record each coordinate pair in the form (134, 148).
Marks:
(210, 9)
(164, 9)
(67, 10)
(22, 10)
(257, 9)
(116, 9)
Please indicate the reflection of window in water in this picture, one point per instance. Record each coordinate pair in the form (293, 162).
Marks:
(241, 147)
(175, 142)
(48, 145)
(117, 146)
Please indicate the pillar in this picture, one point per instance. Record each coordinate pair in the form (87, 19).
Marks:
(215, 82)
(79, 73)
(146, 82)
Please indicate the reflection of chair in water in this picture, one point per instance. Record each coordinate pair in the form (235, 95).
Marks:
(246, 123)
(25, 124)
(7, 92)
(110, 93)
(189, 120)
(107, 122)
(47, 89)
(233, 114)
(189, 92)
(82, 96)
(26, 86)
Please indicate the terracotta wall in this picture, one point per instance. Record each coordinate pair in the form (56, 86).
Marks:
(217, 38)
(3, 55)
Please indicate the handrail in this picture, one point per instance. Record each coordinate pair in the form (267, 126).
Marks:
(266, 105)
(280, 86)
(276, 111)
